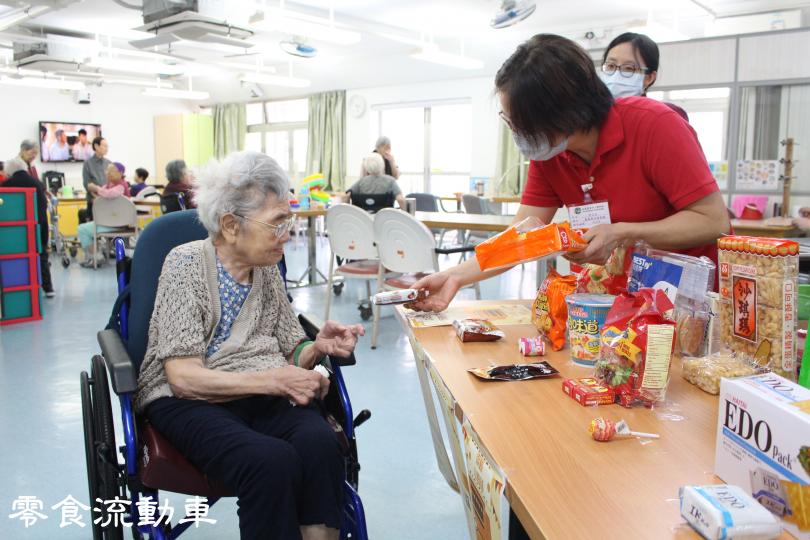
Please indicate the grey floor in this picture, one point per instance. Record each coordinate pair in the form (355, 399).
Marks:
(42, 452)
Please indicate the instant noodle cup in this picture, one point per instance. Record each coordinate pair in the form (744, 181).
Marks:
(586, 315)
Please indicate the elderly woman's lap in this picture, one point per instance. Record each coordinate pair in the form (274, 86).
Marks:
(284, 462)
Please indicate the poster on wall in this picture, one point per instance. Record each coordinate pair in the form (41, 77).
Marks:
(487, 486)
(758, 174)
(720, 172)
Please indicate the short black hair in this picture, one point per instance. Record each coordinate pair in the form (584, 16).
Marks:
(97, 141)
(142, 173)
(82, 131)
(552, 89)
(643, 47)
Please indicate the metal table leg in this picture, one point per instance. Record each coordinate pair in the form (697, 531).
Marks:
(311, 273)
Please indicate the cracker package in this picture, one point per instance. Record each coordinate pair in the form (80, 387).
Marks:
(610, 278)
(721, 511)
(758, 299)
(550, 312)
(706, 372)
(528, 240)
(763, 445)
(637, 343)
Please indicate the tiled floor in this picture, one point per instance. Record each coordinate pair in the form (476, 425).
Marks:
(42, 453)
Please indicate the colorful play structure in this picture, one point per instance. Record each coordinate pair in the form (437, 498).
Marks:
(311, 191)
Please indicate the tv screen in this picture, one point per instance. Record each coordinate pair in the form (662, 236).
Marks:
(64, 141)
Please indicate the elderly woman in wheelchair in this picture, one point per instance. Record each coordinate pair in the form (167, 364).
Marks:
(227, 377)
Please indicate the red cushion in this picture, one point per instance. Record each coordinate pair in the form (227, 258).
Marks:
(405, 281)
(364, 268)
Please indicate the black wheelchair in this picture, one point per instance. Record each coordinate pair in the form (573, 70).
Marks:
(150, 462)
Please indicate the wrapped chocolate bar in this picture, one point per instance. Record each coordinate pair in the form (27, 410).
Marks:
(725, 511)
(471, 330)
(515, 372)
(401, 296)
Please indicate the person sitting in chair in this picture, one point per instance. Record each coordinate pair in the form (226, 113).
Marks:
(375, 182)
(228, 374)
(116, 186)
(180, 181)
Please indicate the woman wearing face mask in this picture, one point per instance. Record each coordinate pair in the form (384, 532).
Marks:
(635, 153)
(630, 67)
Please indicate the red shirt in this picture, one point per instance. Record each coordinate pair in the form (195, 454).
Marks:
(648, 165)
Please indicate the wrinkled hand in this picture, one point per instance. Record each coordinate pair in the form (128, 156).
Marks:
(299, 385)
(602, 240)
(337, 339)
(802, 223)
(442, 288)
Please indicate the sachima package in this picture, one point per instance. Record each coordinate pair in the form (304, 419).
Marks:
(758, 299)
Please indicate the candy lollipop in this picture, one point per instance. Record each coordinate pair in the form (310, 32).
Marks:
(603, 430)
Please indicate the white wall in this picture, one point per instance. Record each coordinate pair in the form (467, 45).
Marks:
(360, 134)
(126, 119)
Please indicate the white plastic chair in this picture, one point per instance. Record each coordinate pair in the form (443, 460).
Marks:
(405, 246)
(119, 213)
(351, 237)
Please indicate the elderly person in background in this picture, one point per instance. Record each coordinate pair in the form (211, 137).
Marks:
(94, 172)
(180, 181)
(375, 182)
(227, 377)
(383, 148)
(25, 159)
(116, 186)
(60, 151)
(19, 176)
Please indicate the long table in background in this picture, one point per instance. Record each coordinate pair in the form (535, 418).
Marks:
(757, 227)
(471, 222)
(559, 482)
(68, 212)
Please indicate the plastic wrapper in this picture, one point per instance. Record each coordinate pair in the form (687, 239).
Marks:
(692, 331)
(725, 511)
(472, 330)
(401, 296)
(610, 278)
(532, 346)
(528, 240)
(706, 372)
(550, 312)
(515, 372)
(637, 344)
(758, 294)
(682, 277)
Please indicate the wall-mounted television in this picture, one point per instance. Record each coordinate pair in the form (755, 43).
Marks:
(66, 141)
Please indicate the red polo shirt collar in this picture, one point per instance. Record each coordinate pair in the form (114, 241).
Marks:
(611, 135)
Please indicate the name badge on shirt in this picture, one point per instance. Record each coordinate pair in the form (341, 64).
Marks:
(586, 216)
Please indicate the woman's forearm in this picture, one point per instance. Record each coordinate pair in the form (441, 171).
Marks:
(189, 379)
(309, 357)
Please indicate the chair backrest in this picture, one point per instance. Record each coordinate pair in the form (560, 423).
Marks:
(174, 202)
(404, 244)
(351, 232)
(373, 203)
(117, 212)
(155, 242)
(473, 204)
(425, 202)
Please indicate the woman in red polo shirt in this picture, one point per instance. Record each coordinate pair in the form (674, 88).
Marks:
(635, 153)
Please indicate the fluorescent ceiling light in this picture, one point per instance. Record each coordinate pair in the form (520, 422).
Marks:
(275, 80)
(134, 66)
(177, 94)
(59, 84)
(243, 66)
(431, 53)
(323, 29)
(16, 16)
(140, 82)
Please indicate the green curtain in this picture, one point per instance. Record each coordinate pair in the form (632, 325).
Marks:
(230, 127)
(510, 170)
(326, 148)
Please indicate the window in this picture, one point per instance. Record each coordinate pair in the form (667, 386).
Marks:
(432, 145)
(279, 129)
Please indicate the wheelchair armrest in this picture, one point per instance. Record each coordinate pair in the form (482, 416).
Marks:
(311, 329)
(122, 372)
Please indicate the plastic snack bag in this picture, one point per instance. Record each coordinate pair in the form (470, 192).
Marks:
(706, 372)
(515, 372)
(550, 312)
(526, 241)
(470, 330)
(610, 278)
(637, 345)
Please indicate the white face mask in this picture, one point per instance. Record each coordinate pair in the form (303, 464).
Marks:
(538, 151)
(621, 86)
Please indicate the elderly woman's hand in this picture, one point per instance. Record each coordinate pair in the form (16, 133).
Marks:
(299, 385)
(337, 339)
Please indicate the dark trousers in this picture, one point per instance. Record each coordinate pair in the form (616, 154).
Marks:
(45, 270)
(86, 214)
(284, 463)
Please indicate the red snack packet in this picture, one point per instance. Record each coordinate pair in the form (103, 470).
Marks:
(608, 279)
(637, 344)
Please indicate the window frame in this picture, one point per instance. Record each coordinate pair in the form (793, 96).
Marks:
(275, 127)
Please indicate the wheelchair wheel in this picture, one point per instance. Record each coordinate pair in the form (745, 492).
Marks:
(107, 467)
(337, 288)
(365, 312)
(65, 261)
(89, 449)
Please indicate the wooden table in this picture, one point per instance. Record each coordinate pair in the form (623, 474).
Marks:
(312, 272)
(757, 227)
(560, 483)
(68, 212)
(473, 222)
(505, 199)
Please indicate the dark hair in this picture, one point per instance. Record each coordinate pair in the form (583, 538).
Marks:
(142, 173)
(82, 131)
(642, 45)
(97, 141)
(552, 89)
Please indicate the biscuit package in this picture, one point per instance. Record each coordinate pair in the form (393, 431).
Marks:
(723, 511)
(528, 240)
(549, 311)
(707, 371)
(763, 445)
(758, 299)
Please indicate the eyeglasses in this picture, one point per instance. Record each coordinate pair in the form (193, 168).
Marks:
(506, 119)
(625, 70)
(278, 230)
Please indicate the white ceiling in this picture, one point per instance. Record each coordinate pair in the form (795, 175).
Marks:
(391, 30)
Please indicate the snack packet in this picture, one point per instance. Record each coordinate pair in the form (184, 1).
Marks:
(526, 241)
(706, 372)
(401, 296)
(637, 344)
(549, 311)
(515, 372)
(470, 330)
(610, 278)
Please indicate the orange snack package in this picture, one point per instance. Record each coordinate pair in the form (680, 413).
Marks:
(526, 241)
(549, 311)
